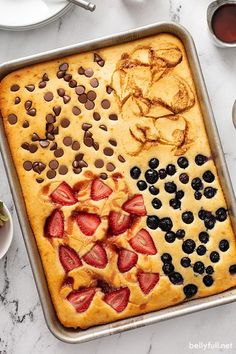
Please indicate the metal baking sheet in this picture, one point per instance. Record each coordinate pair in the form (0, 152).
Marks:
(76, 335)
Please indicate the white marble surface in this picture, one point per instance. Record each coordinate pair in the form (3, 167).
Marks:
(22, 326)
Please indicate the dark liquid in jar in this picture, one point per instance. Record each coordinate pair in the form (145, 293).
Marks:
(224, 23)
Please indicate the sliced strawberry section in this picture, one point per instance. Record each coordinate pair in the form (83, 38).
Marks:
(96, 257)
(69, 281)
(118, 222)
(99, 190)
(69, 258)
(135, 206)
(126, 260)
(118, 299)
(81, 299)
(63, 195)
(54, 226)
(142, 242)
(88, 223)
(147, 281)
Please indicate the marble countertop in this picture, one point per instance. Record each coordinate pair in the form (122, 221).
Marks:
(22, 326)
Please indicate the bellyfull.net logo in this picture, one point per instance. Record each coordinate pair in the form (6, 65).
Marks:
(210, 345)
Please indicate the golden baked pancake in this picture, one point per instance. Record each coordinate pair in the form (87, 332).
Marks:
(118, 179)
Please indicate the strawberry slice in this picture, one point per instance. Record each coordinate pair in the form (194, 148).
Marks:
(54, 226)
(81, 299)
(142, 242)
(126, 260)
(63, 195)
(88, 223)
(118, 222)
(96, 257)
(69, 258)
(99, 190)
(135, 206)
(118, 299)
(147, 281)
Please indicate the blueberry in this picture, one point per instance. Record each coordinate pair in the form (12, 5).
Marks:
(185, 262)
(153, 190)
(170, 169)
(221, 214)
(190, 290)
(201, 250)
(153, 163)
(176, 278)
(151, 176)
(170, 187)
(162, 173)
(197, 195)
(214, 257)
(203, 237)
(200, 159)
(202, 214)
(165, 224)
(142, 185)
(170, 237)
(197, 184)
(168, 268)
(153, 222)
(188, 246)
(209, 270)
(166, 258)
(182, 162)
(232, 269)
(187, 217)
(208, 280)
(209, 222)
(156, 203)
(135, 172)
(179, 195)
(180, 233)
(208, 176)
(184, 178)
(198, 267)
(224, 245)
(209, 192)
(175, 203)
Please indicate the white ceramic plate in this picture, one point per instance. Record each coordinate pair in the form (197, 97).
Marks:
(27, 14)
(6, 234)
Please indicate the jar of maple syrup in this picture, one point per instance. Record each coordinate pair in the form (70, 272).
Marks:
(221, 18)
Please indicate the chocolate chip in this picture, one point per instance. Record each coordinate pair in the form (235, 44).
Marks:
(67, 77)
(81, 70)
(79, 157)
(17, 100)
(121, 158)
(42, 84)
(75, 146)
(96, 116)
(51, 174)
(60, 74)
(50, 136)
(75, 164)
(39, 180)
(30, 87)
(89, 105)
(76, 111)
(110, 167)
(113, 117)
(25, 124)
(35, 137)
(57, 110)
(86, 126)
(101, 63)
(63, 170)
(48, 96)
(65, 123)
(108, 151)
(49, 127)
(66, 99)
(99, 60)
(88, 72)
(33, 148)
(82, 164)
(105, 104)
(12, 118)
(103, 127)
(45, 77)
(15, 87)
(44, 143)
(94, 82)
(88, 134)
(64, 67)
(96, 145)
(53, 147)
(55, 131)
(73, 83)
(91, 95)
(82, 98)
(67, 141)
(109, 89)
(38, 167)
(59, 152)
(53, 164)
(88, 142)
(32, 112)
(80, 89)
(28, 105)
(28, 165)
(103, 176)
(99, 163)
(25, 146)
(113, 142)
(61, 92)
(77, 170)
(50, 118)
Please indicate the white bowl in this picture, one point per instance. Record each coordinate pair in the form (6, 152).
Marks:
(6, 233)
